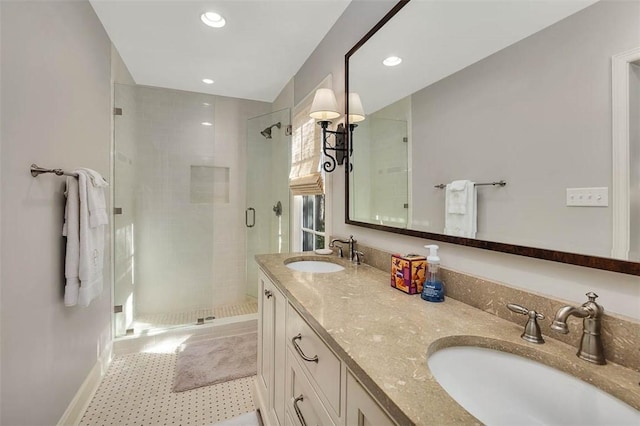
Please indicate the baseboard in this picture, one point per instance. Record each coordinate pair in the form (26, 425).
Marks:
(74, 412)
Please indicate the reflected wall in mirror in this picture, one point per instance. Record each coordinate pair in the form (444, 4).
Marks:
(514, 90)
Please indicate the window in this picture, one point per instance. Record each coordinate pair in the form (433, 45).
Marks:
(312, 222)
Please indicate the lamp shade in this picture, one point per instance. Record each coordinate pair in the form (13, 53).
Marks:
(356, 111)
(324, 106)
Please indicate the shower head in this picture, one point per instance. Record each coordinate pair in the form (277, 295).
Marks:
(267, 132)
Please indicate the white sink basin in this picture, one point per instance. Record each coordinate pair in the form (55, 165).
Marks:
(500, 388)
(314, 266)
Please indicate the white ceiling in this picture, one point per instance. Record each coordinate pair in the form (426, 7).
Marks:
(265, 42)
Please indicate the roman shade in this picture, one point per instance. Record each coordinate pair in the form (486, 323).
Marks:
(306, 177)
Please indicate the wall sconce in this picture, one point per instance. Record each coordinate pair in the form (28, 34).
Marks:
(324, 108)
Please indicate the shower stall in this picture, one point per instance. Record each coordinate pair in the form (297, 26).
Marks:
(187, 169)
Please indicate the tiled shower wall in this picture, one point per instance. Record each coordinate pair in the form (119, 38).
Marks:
(188, 249)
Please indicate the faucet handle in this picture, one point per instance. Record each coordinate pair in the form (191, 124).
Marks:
(357, 257)
(591, 296)
(531, 331)
(519, 309)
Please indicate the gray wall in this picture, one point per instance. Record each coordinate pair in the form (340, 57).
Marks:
(55, 112)
(619, 293)
(328, 57)
(537, 114)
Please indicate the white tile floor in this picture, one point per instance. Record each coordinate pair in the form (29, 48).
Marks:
(137, 391)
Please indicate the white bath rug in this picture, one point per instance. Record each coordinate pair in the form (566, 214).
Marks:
(207, 362)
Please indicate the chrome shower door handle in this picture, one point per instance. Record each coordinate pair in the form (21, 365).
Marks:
(253, 218)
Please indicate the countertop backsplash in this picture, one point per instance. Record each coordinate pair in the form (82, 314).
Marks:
(620, 335)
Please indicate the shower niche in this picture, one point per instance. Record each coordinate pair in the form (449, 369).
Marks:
(209, 185)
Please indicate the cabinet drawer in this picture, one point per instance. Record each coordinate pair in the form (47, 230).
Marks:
(303, 404)
(362, 410)
(317, 360)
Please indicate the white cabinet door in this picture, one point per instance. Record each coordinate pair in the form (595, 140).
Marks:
(271, 351)
(279, 355)
(265, 341)
(362, 409)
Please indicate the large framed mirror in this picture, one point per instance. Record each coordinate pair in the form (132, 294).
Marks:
(508, 125)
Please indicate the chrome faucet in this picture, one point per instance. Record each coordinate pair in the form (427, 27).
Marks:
(351, 243)
(591, 348)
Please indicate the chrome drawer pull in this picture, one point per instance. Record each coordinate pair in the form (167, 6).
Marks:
(298, 412)
(299, 350)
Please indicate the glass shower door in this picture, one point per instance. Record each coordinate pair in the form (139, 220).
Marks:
(123, 217)
(167, 198)
(182, 253)
(267, 213)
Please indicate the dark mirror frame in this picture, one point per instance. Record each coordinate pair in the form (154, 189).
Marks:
(607, 264)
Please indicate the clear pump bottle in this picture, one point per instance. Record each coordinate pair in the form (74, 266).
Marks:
(433, 289)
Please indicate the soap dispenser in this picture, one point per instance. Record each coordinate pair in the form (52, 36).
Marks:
(433, 289)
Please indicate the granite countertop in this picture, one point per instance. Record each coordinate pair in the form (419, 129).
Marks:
(384, 336)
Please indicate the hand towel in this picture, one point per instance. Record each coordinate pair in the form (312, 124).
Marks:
(71, 230)
(461, 224)
(84, 259)
(457, 194)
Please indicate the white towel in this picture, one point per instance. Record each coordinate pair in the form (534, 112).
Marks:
(461, 201)
(457, 195)
(86, 213)
(71, 230)
(96, 201)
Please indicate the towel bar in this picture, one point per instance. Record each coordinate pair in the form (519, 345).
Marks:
(37, 171)
(500, 183)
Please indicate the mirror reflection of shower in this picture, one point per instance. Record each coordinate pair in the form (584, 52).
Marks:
(267, 132)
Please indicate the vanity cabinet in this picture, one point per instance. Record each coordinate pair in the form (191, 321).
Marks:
(271, 351)
(300, 380)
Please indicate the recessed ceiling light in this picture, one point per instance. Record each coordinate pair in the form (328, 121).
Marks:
(392, 61)
(206, 123)
(207, 81)
(206, 104)
(213, 19)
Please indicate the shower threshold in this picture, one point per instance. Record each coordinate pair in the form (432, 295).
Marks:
(145, 324)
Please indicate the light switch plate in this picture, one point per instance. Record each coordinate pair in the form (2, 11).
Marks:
(588, 197)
